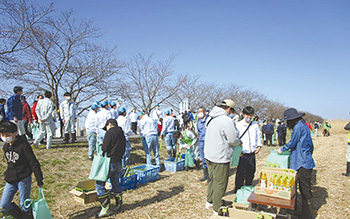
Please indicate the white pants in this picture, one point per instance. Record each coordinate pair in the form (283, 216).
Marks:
(49, 128)
(20, 127)
(69, 126)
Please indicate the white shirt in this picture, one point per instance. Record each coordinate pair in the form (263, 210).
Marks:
(168, 125)
(45, 110)
(133, 117)
(157, 114)
(102, 116)
(252, 138)
(68, 110)
(148, 126)
(91, 121)
(114, 113)
(124, 123)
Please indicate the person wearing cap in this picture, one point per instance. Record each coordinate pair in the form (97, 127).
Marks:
(157, 114)
(250, 135)
(114, 110)
(221, 135)
(301, 147)
(102, 116)
(124, 123)
(201, 129)
(91, 129)
(148, 129)
(114, 146)
(168, 134)
(68, 113)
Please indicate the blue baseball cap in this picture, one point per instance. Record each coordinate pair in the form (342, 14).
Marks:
(139, 114)
(97, 103)
(94, 106)
(104, 103)
(121, 110)
(167, 112)
(113, 103)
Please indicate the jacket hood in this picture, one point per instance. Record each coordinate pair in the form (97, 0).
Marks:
(217, 111)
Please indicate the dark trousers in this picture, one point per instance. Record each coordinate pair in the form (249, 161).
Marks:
(268, 139)
(134, 127)
(245, 171)
(281, 139)
(304, 180)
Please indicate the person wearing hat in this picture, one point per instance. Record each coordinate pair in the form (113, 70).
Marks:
(167, 133)
(102, 116)
(114, 110)
(157, 114)
(69, 117)
(91, 129)
(221, 135)
(301, 147)
(114, 146)
(124, 123)
(148, 129)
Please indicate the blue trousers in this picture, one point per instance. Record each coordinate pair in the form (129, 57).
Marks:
(113, 175)
(201, 150)
(169, 141)
(10, 190)
(92, 139)
(152, 144)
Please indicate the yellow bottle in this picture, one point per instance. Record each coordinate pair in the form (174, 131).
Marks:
(272, 181)
(279, 182)
(285, 183)
(263, 180)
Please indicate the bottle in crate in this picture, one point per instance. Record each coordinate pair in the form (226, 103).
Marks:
(263, 180)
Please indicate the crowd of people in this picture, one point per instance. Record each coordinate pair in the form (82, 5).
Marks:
(208, 137)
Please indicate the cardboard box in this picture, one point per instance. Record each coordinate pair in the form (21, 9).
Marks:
(273, 192)
(85, 197)
(240, 214)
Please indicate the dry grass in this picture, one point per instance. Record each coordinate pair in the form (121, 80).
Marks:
(338, 126)
(181, 195)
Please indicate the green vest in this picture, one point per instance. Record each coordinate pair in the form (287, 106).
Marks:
(349, 138)
(185, 139)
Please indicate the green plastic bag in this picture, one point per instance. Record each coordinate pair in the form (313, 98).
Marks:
(39, 207)
(243, 194)
(100, 167)
(237, 150)
(35, 130)
(188, 158)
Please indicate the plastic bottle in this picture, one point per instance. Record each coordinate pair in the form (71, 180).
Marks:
(279, 181)
(263, 180)
(272, 181)
(225, 212)
(285, 183)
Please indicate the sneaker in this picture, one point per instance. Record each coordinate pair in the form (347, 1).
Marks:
(208, 205)
(104, 211)
(91, 157)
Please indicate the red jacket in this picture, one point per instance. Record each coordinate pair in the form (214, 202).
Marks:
(27, 114)
(35, 117)
(309, 125)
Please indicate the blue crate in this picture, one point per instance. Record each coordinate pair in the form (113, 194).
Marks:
(126, 183)
(146, 173)
(172, 166)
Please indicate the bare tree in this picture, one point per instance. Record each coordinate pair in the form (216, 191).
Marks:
(147, 83)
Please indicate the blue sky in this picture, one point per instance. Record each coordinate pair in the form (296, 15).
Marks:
(295, 52)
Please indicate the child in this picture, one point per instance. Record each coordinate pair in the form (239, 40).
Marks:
(189, 141)
(301, 160)
(21, 163)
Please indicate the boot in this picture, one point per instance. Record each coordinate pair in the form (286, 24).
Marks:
(198, 166)
(105, 201)
(16, 212)
(169, 153)
(174, 152)
(28, 215)
(347, 169)
(118, 201)
(66, 138)
(74, 137)
(205, 174)
(306, 211)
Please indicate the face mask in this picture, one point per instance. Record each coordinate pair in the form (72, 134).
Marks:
(7, 139)
(201, 115)
(157, 108)
(247, 119)
(67, 98)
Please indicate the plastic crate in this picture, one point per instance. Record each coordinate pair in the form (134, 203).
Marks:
(146, 173)
(172, 166)
(126, 183)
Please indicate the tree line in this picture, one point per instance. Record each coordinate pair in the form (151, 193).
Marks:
(42, 49)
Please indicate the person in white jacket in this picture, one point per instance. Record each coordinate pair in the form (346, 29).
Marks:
(45, 111)
(102, 116)
(124, 123)
(221, 136)
(250, 135)
(68, 113)
(91, 129)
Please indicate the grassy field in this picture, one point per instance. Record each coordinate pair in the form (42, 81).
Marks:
(181, 195)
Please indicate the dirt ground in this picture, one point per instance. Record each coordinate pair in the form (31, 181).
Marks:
(181, 195)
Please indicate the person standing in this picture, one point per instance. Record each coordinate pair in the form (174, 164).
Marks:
(68, 113)
(269, 130)
(221, 136)
(27, 116)
(15, 109)
(316, 128)
(114, 146)
(45, 110)
(148, 129)
(38, 98)
(281, 131)
(326, 128)
(114, 110)
(91, 129)
(201, 129)
(3, 116)
(157, 114)
(21, 163)
(124, 123)
(133, 120)
(347, 173)
(102, 116)
(250, 135)
(301, 160)
(167, 132)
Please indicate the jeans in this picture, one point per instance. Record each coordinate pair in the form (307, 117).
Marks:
(201, 150)
(113, 175)
(169, 141)
(152, 144)
(101, 135)
(92, 139)
(126, 156)
(10, 190)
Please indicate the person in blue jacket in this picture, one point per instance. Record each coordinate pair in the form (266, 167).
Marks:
(201, 128)
(301, 160)
(15, 109)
